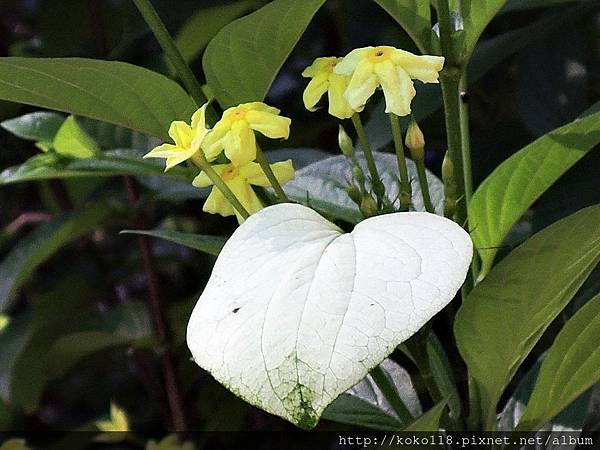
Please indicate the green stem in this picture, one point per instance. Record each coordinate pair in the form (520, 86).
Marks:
(266, 168)
(172, 52)
(424, 186)
(378, 186)
(391, 395)
(200, 159)
(405, 186)
(443, 12)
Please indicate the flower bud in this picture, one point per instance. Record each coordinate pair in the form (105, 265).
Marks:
(354, 194)
(346, 145)
(368, 206)
(358, 175)
(415, 141)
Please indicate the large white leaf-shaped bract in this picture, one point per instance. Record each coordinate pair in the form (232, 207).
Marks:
(296, 312)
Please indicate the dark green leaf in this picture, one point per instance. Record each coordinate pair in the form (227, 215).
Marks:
(415, 18)
(516, 183)
(521, 5)
(207, 244)
(443, 375)
(106, 164)
(243, 59)
(366, 406)
(203, 25)
(111, 91)
(476, 16)
(41, 244)
(38, 126)
(570, 368)
(507, 313)
(13, 338)
(430, 421)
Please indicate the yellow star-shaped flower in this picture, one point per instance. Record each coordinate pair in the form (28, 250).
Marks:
(239, 180)
(118, 420)
(390, 68)
(187, 140)
(234, 133)
(324, 79)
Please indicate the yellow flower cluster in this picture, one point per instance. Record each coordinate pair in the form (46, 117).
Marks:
(234, 136)
(352, 80)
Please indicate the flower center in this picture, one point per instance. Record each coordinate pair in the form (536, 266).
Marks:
(379, 54)
(238, 114)
(229, 173)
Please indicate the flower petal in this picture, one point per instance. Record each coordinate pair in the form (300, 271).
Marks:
(199, 119)
(214, 141)
(246, 195)
(216, 203)
(181, 133)
(270, 125)
(397, 87)
(362, 86)
(315, 90)
(424, 68)
(240, 144)
(338, 105)
(350, 62)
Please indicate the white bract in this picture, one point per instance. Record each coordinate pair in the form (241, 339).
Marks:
(296, 311)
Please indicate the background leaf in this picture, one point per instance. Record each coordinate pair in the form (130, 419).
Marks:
(115, 92)
(506, 314)
(570, 368)
(516, 183)
(39, 126)
(430, 421)
(207, 244)
(243, 59)
(477, 15)
(414, 16)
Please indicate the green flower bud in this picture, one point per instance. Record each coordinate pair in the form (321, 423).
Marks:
(345, 143)
(358, 175)
(415, 141)
(354, 194)
(368, 206)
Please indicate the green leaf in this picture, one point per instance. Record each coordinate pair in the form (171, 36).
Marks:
(414, 16)
(39, 126)
(13, 339)
(109, 136)
(72, 141)
(207, 244)
(106, 164)
(506, 314)
(443, 375)
(477, 15)
(430, 421)
(115, 92)
(570, 368)
(203, 25)
(30, 252)
(520, 180)
(365, 405)
(243, 59)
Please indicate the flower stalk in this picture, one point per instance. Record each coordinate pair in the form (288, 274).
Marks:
(405, 186)
(378, 186)
(266, 168)
(415, 141)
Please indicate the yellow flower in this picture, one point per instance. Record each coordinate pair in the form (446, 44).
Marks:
(14, 444)
(118, 420)
(234, 133)
(324, 79)
(187, 140)
(171, 442)
(390, 68)
(239, 180)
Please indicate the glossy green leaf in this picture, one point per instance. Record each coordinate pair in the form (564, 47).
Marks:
(207, 244)
(106, 164)
(243, 59)
(72, 141)
(441, 370)
(520, 180)
(109, 136)
(415, 18)
(365, 405)
(203, 25)
(430, 421)
(570, 368)
(111, 91)
(39, 126)
(31, 251)
(476, 16)
(505, 315)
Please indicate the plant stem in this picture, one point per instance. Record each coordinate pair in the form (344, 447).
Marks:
(201, 161)
(173, 389)
(443, 12)
(391, 394)
(266, 168)
(171, 51)
(424, 184)
(378, 186)
(405, 186)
